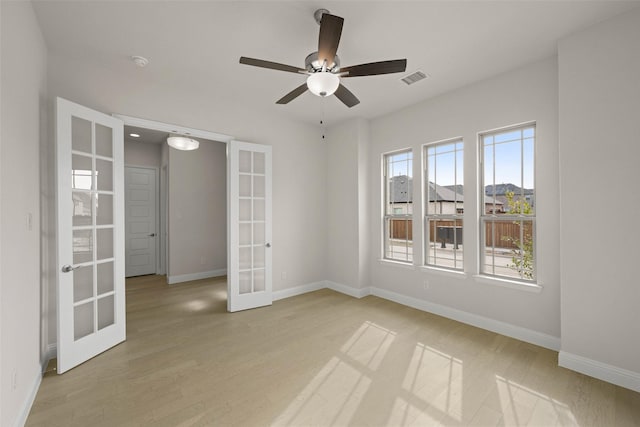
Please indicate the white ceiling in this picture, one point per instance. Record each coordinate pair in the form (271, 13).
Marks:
(147, 136)
(197, 45)
(151, 136)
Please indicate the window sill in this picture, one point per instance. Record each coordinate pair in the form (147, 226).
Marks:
(400, 264)
(444, 272)
(506, 283)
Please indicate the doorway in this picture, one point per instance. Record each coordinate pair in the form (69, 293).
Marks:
(175, 205)
(144, 240)
(141, 221)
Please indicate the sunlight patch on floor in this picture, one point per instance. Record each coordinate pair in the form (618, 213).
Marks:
(404, 413)
(435, 378)
(522, 405)
(369, 344)
(335, 393)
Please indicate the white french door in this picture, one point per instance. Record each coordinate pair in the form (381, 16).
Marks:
(90, 233)
(249, 226)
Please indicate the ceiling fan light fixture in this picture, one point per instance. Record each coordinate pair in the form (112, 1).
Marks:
(182, 143)
(323, 83)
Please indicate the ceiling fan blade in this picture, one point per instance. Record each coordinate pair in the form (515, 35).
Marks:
(330, 31)
(271, 65)
(375, 68)
(345, 95)
(293, 94)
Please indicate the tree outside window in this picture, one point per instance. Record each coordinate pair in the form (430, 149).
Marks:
(507, 222)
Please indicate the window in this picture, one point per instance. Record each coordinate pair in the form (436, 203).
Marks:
(507, 216)
(398, 206)
(444, 204)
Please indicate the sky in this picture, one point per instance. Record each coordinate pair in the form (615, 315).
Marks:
(511, 152)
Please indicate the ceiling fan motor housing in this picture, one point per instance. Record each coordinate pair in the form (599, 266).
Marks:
(313, 65)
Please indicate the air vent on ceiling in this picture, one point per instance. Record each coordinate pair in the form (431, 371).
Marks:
(415, 77)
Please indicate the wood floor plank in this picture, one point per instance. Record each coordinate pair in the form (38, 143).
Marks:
(321, 358)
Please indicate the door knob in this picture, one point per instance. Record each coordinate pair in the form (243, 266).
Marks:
(68, 268)
(268, 245)
(152, 235)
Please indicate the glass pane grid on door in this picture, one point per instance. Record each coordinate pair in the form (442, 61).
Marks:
(89, 223)
(92, 228)
(251, 215)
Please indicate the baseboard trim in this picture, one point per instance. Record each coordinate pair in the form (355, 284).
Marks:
(196, 276)
(348, 290)
(323, 284)
(602, 371)
(517, 332)
(297, 290)
(21, 420)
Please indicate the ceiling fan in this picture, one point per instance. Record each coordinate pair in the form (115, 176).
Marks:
(323, 67)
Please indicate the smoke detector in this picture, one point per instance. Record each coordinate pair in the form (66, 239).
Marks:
(140, 61)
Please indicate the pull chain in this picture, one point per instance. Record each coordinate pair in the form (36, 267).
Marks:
(323, 125)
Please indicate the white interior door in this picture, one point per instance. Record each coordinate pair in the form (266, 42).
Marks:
(141, 236)
(90, 232)
(249, 226)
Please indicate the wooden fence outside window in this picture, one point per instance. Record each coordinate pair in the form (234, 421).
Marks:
(505, 232)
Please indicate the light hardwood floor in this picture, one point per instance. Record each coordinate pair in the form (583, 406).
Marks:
(317, 359)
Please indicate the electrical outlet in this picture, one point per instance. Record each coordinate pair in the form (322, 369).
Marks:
(29, 221)
(425, 284)
(284, 275)
(14, 380)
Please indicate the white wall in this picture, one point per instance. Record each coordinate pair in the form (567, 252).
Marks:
(364, 199)
(523, 95)
(164, 208)
(342, 206)
(299, 153)
(599, 74)
(347, 207)
(198, 210)
(1, 300)
(24, 65)
(142, 154)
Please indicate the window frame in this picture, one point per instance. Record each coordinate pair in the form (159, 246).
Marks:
(387, 217)
(484, 218)
(426, 217)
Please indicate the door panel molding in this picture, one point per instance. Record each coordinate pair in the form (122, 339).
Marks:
(142, 250)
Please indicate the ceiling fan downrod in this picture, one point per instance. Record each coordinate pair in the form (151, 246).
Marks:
(317, 15)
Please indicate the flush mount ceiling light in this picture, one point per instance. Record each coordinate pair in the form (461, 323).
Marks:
(323, 83)
(134, 135)
(182, 143)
